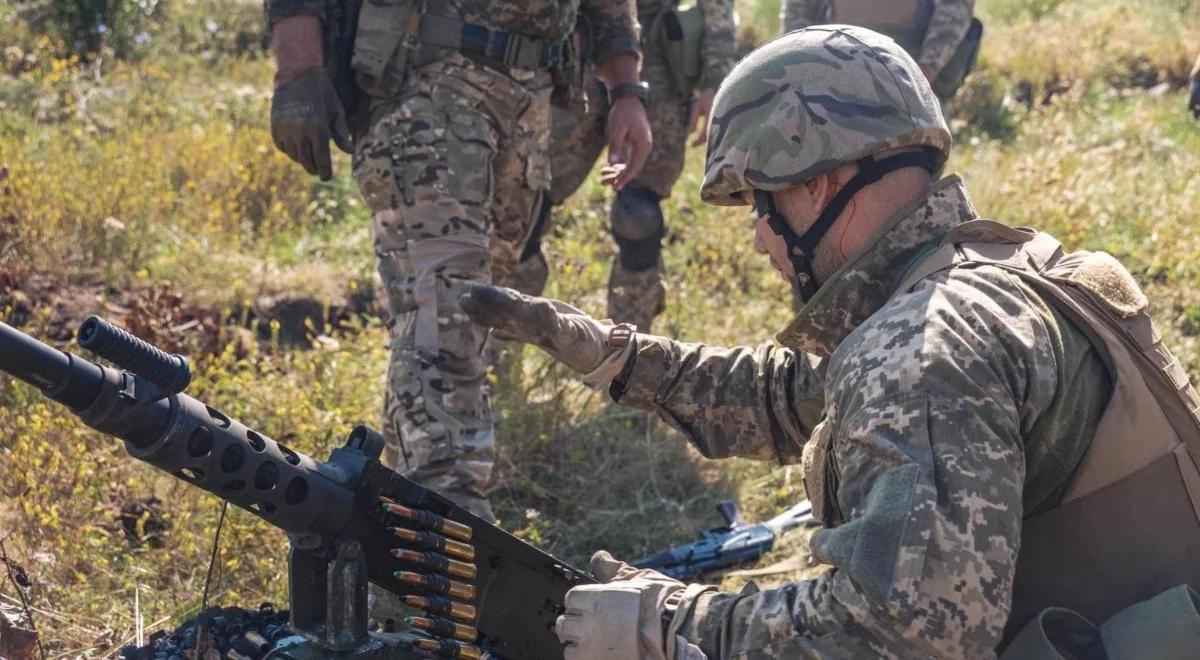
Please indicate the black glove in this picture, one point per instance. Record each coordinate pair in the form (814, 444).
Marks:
(305, 114)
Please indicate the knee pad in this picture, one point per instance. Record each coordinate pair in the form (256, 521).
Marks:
(637, 224)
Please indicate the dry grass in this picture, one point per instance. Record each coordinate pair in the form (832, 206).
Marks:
(124, 173)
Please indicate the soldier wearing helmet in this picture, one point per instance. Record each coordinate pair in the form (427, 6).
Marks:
(942, 35)
(975, 409)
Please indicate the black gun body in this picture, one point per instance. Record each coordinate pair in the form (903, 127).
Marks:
(520, 588)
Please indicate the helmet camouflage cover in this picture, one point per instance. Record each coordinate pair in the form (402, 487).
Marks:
(811, 100)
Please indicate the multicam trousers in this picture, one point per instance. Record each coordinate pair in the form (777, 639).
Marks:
(453, 170)
(577, 140)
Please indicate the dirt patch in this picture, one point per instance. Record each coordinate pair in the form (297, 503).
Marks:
(298, 320)
(51, 308)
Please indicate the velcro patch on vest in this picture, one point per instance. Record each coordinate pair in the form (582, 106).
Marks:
(1104, 276)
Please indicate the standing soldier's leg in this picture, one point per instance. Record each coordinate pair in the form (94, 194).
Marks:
(522, 172)
(636, 293)
(576, 141)
(425, 169)
(796, 14)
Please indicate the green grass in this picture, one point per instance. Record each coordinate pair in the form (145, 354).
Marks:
(126, 173)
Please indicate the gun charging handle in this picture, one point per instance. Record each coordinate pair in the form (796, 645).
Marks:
(170, 372)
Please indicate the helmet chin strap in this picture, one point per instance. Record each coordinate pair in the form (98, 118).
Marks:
(801, 247)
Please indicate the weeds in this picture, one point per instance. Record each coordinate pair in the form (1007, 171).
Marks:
(120, 174)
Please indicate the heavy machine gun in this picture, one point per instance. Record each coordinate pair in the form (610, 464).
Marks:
(350, 519)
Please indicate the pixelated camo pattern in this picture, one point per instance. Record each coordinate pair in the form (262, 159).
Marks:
(864, 283)
(924, 401)
(811, 100)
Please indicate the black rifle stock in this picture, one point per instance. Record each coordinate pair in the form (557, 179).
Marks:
(329, 510)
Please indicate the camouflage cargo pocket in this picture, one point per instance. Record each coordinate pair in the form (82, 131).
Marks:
(886, 493)
(470, 150)
(537, 171)
(383, 44)
(820, 476)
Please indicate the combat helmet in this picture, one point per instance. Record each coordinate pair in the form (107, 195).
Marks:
(807, 102)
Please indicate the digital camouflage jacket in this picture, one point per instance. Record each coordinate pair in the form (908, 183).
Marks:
(910, 411)
(612, 22)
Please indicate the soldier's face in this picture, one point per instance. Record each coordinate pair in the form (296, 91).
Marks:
(768, 243)
(800, 206)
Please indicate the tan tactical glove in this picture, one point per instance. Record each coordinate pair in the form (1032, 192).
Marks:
(305, 114)
(624, 618)
(597, 349)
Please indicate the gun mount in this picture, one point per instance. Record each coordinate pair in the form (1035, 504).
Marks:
(337, 514)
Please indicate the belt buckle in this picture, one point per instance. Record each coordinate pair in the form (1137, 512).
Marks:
(512, 53)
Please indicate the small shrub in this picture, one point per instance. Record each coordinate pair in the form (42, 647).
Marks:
(84, 27)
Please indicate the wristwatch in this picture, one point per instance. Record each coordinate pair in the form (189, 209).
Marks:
(639, 90)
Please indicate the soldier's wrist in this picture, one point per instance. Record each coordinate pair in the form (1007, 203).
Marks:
(298, 43)
(292, 74)
(619, 347)
(687, 614)
(635, 91)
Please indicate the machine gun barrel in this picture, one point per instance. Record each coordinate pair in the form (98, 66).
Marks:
(341, 515)
(46, 367)
(184, 437)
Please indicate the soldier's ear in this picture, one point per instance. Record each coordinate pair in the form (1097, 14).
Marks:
(802, 204)
(826, 186)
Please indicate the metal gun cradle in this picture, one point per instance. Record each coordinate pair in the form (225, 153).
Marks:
(335, 513)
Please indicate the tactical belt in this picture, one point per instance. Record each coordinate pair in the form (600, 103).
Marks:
(493, 46)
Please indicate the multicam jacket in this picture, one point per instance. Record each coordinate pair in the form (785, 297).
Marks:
(611, 20)
(914, 413)
(718, 45)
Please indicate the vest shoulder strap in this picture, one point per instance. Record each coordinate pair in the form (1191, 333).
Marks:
(986, 242)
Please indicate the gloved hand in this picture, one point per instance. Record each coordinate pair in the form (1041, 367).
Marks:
(305, 114)
(623, 618)
(594, 348)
